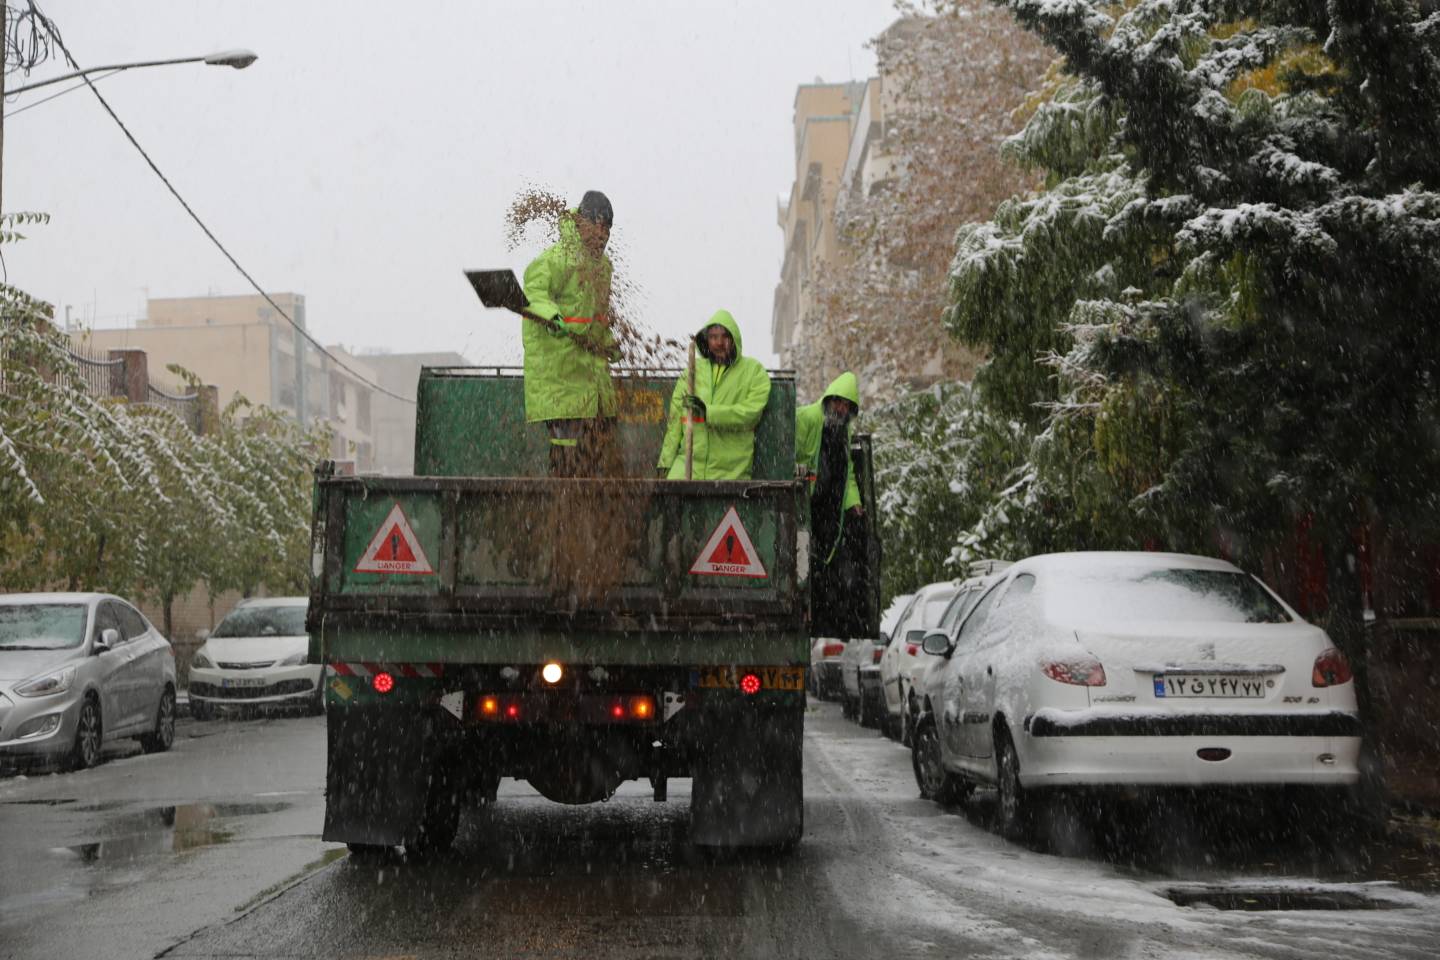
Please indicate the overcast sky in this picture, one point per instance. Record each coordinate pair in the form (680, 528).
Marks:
(370, 153)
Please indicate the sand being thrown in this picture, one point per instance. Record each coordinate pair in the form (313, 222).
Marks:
(597, 531)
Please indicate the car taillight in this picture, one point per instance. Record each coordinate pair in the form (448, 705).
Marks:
(750, 684)
(1081, 673)
(877, 654)
(832, 649)
(382, 682)
(1331, 669)
(911, 649)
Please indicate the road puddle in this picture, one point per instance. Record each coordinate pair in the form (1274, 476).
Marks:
(1256, 898)
(165, 830)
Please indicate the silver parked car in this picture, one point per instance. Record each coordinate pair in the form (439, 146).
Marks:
(256, 657)
(77, 670)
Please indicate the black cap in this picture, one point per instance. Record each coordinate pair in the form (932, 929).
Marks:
(595, 207)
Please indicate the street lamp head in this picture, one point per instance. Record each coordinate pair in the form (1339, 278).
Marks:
(239, 59)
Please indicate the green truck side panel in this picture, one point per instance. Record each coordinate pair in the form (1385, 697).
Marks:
(392, 645)
(471, 423)
(521, 568)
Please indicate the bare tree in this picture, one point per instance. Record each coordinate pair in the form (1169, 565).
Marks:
(954, 75)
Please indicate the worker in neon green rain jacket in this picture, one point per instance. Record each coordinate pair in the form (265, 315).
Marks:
(568, 351)
(731, 391)
(822, 446)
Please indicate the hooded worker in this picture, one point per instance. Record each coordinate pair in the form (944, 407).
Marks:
(822, 446)
(731, 391)
(569, 349)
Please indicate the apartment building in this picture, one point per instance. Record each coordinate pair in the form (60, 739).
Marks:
(243, 346)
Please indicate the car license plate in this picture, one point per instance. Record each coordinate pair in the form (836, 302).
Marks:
(1209, 685)
(240, 683)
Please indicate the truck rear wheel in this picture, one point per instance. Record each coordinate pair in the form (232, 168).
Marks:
(749, 789)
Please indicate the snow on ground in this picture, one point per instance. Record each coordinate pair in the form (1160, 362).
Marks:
(944, 871)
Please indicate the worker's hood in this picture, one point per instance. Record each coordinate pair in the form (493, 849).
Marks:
(723, 318)
(845, 386)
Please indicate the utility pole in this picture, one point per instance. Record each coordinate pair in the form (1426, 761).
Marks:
(4, 54)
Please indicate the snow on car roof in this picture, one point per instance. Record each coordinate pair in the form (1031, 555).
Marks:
(58, 597)
(1089, 560)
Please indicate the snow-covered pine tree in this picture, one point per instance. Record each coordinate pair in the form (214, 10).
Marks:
(1285, 330)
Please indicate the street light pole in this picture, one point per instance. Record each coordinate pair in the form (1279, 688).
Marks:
(239, 59)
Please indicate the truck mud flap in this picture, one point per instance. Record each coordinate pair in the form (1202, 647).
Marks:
(748, 787)
(376, 775)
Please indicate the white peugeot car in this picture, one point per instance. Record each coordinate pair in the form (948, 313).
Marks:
(928, 671)
(256, 657)
(1135, 670)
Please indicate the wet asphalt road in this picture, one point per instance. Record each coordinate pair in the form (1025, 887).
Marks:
(212, 850)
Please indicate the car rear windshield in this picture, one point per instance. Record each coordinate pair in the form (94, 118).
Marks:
(1184, 596)
(287, 621)
(41, 626)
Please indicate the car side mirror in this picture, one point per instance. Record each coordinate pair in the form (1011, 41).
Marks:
(107, 640)
(936, 644)
(915, 636)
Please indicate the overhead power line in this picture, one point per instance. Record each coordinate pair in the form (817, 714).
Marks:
(55, 35)
(70, 89)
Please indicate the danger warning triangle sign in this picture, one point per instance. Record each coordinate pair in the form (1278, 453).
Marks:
(394, 548)
(729, 552)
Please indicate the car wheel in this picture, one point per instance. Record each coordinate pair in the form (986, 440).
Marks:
(1012, 808)
(935, 782)
(908, 712)
(88, 735)
(164, 734)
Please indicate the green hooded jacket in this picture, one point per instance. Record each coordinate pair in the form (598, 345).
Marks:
(734, 396)
(809, 424)
(570, 287)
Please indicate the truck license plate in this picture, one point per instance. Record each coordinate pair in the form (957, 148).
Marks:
(790, 679)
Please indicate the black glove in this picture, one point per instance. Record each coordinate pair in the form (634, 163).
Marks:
(696, 407)
(557, 326)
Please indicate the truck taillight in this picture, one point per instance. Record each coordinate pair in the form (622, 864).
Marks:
(750, 684)
(832, 649)
(512, 711)
(1331, 669)
(383, 682)
(642, 708)
(1084, 672)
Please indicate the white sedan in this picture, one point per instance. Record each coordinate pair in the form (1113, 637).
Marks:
(1135, 670)
(903, 652)
(256, 657)
(860, 666)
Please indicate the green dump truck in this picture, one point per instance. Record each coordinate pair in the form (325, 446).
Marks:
(481, 620)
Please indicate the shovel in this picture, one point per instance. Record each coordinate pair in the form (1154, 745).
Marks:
(499, 289)
(690, 418)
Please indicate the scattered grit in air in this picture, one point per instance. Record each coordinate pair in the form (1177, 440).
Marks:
(597, 530)
(639, 347)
